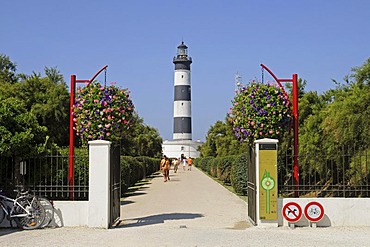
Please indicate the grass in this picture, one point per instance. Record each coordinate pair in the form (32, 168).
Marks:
(227, 186)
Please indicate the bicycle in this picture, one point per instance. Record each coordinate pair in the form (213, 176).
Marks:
(46, 204)
(49, 211)
(26, 210)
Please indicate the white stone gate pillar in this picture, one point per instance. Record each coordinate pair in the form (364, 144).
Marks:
(99, 183)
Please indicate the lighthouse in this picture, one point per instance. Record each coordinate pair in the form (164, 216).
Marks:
(182, 95)
(182, 143)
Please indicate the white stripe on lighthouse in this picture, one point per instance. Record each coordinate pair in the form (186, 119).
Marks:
(182, 77)
(182, 108)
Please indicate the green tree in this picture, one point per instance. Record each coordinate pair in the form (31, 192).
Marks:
(48, 99)
(301, 88)
(347, 122)
(141, 140)
(7, 70)
(20, 133)
(336, 121)
(361, 74)
(221, 141)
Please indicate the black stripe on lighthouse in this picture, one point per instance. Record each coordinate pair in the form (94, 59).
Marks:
(182, 92)
(182, 125)
(182, 64)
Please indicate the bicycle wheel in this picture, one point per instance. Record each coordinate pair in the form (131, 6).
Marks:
(49, 211)
(2, 213)
(35, 214)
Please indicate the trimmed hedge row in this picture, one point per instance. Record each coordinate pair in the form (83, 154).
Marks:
(231, 170)
(134, 169)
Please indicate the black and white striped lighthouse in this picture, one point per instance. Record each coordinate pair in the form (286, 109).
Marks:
(182, 143)
(182, 95)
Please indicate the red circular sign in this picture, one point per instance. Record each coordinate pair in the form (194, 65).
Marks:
(314, 211)
(292, 212)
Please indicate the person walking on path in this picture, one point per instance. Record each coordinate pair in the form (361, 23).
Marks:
(175, 163)
(165, 167)
(183, 161)
(190, 163)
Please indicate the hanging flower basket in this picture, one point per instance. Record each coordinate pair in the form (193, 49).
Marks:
(259, 111)
(102, 112)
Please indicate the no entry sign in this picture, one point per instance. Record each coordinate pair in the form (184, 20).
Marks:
(314, 211)
(292, 212)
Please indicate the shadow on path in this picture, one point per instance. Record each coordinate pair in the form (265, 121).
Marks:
(6, 231)
(157, 219)
(126, 202)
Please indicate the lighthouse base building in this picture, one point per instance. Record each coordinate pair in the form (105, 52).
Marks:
(182, 138)
(174, 149)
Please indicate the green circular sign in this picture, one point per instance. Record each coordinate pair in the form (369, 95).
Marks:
(268, 183)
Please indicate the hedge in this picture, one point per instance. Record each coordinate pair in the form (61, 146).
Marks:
(239, 174)
(230, 170)
(134, 169)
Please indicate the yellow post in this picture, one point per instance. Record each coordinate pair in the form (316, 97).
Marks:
(267, 187)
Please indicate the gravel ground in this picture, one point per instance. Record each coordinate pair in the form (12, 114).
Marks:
(189, 210)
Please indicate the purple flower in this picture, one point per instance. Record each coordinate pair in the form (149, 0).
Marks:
(258, 102)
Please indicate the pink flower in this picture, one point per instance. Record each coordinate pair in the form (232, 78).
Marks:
(108, 134)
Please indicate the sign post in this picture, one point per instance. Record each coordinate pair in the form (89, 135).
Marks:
(314, 212)
(266, 182)
(292, 212)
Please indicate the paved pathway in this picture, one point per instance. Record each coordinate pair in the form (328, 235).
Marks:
(189, 210)
(189, 200)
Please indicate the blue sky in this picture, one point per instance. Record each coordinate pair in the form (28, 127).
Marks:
(319, 40)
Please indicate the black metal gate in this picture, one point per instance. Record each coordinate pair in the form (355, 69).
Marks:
(115, 185)
(252, 205)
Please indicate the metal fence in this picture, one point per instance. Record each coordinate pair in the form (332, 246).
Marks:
(45, 176)
(343, 174)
